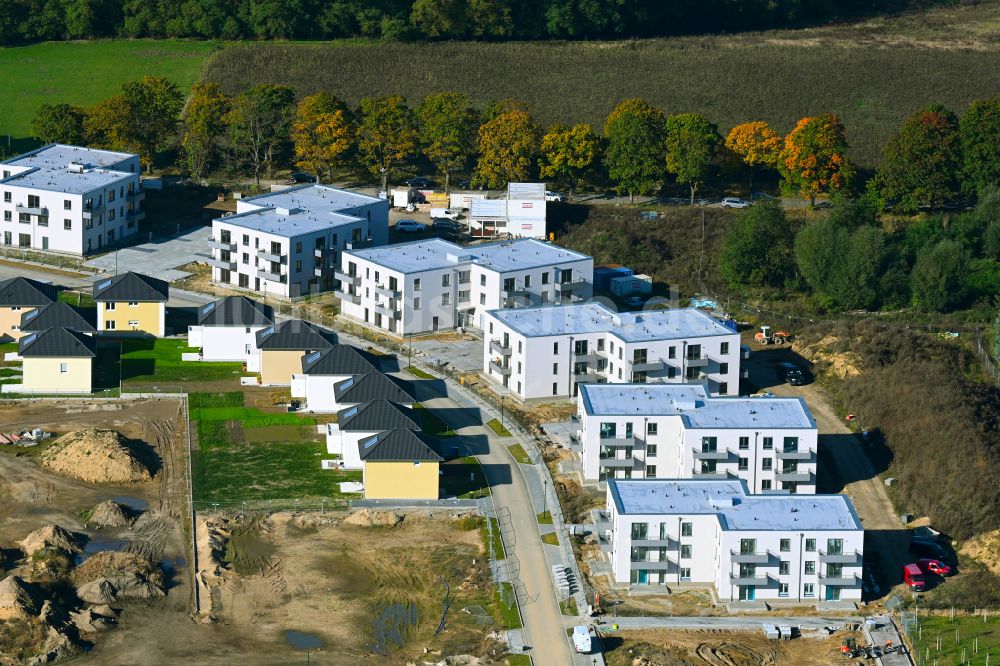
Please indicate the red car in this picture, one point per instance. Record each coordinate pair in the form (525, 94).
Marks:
(914, 578)
(934, 566)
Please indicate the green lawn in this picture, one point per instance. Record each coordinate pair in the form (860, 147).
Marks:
(509, 616)
(545, 518)
(149, 360)
(417, 372)
(568, 607)
(498, 550)
(81, 299)
(551, 539)
(83, 73)
(518, 660)
(520, 455)
(969, 629)
(498, 429)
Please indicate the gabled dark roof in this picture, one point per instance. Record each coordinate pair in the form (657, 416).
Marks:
(295, 335)
(399, 445)
(235, 311)
(131, 287)
(340, 360)
(58, 343)
(373, 386)
(23, 292)
(55, 315)
(378, 415)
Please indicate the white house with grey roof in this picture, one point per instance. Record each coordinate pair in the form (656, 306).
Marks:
(745, 547)
(288, 243)
(550, 352)
(361, 422)
(227, 329)
(435, 285)
(323, 369)
(679, 431)
(70, 199)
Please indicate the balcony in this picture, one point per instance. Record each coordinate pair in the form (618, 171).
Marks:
(348, 298)
(794, 477)
(696, 361)
(794, 455)
(619, 463)
(318, 253)
(500, 369)
(750, 558)
(498, 347)
(654, 565)
(221, 245)
(840, 558)
(388, 293)
(358, 244)
(271, 277)
(714, 454)
(318, 271)
(666, 542)
(758, 581)
(271, 256)
(622, 442)
(40, 211)
(587, 357)
(92, 212)
(346, 278)
(648, 366)
(570, 285)
(224, 264)
(717, 475)
(389, 312)
(839, 581)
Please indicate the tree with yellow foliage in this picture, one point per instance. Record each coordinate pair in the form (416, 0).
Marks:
(507, 146)
(568, 153)
(387, 136)
(756, 144)
(322, 133)
(814, 159)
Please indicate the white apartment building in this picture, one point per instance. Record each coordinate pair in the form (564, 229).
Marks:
(678, 431)
(764, 548)
(520, 214)
(434, 285)
(288, 243)
(70, 199)
(550, 352)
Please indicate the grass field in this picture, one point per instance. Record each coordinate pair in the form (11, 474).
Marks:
(80, 299)
(954, 645)
(158, 360)
(519, 454)
(498, 428)
(86, 72)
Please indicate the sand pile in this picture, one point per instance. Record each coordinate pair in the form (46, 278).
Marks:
(96, 456)
(15, 601)
(51, 537)
(110, 514)
(109, 576)
(373, 518)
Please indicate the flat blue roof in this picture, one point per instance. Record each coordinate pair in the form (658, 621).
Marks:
(736, 508)
(301, 210)
(48, 168)
(288, 225)
(693, 404)
(59, 156)
(315, 198)
(596, 318)
(434, 253)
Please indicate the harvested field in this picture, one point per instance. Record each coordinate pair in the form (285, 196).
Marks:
(101, 456)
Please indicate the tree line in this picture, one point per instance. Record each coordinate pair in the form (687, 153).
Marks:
(43, 20)
(935, 157)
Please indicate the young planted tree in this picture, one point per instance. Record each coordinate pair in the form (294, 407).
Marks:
(447, 127)
(322, 134)
(59, 123)
(757, 250)
(387, 136)
(814, 159)
(568, 154)
(756, 144)
(259, 126)
(634, 156)
(507, 146)
(921, 163)
(980, 130)
(691, 142)
(204, 121)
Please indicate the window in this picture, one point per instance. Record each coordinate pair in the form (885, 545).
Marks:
(650, 471)
(482, 280)
(639, 554)
(791, 444)
(63, 368)
(298, 247)
(672, 352)
(482, 299)
(744, 443)
(768, 443)
(651, 450)
(723, 368)
(555, 388)
(111, 215)
(808, 590)
(686, 552)
(109, 306)
(767, 464)
(810, 545)
(835, 546)
(687, 529)
(298, 265)
(640, 530)
(6, 197)
(464, 277)
(416, 303)
(24, 218)
(7, 216)
(464, 296)
(109, 325)
(785, 545)
(723, 388)
(445, 298)
(545, 277)
(744, 464)
(446, 280)
(724, 348)
(784, 566)
(111, 196)
(765, 485)
(671, 372)
(810, 567)
(133, 304)
(651, 428)
(600, 344)
(527, 281)
(783, 590)
(67, 224)
(519, 348)
(685, 573)
(555, 347)
(416, 284)
(555, 368)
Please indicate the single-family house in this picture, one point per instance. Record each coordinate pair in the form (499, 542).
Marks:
(57, 360)
(373, 386)
(401, 464)
(227, 328)
(18, 296)
(132, 303)
(280, 348)
(362, 422)
(58, 315)
(322, 369)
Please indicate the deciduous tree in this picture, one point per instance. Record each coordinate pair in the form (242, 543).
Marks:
(756, 144)
(980, 130)
(568, 154)
(814, 159)
(204, 121)
(440, 18)
(691, 141)
(259, 126)
(938, 278)
(507, 146)
(447, 125)
(387, 136)
(634, 156)
(757, 250)
(920, 164)
(322, 133)
(59, 123)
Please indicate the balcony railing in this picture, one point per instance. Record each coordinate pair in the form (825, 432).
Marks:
(271, 256)
(224, 264)
(497, 347)
(221, 245)
(499, 369)
(655, 565)
(717, 475)
(619, 463)
(318, 252)
(758, 581)
(666, 542)
(346, 278)
(648, 365)
(273, 277)
(92, 212)
(839, 581)
(390, 312)
(794, 455)
(794, 477)
(839, 558)
(32, 210)
(390, 293)
(587, 357)
(696, 361)
(750, 558)
(713, 454)
(318, 271)
(622, 442)
(136, 215)
(570, 285)
(349, 298)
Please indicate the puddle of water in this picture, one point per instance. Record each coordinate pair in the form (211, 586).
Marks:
(300, 640)
(100, 545)
(170, 566)
(135, 503)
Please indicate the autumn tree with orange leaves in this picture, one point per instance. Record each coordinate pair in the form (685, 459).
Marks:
(814, 159)
(756, 144)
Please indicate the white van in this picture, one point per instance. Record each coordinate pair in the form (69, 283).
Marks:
(444, 214)
(581, 639)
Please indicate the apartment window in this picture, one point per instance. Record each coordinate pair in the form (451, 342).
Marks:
(111, 196)
(416, 303)
(482, 299)
(111, 215)
(651, 428)
(416, 284)
(686, 552)
(791, 444)
(464, 296)
(600, 344)
(651, 450)
(24, 218)
(63, 368)
(810, 567)
(724, 348)
(723, 388)
(767, 464)
(783, 590)
(519, 348)
(43, 221)
(67, 224)
(7, 216)
(785, 545)
(784, 566)
(768, 443)
(109, 306)
(744, 464)
(6, 197)
(639, 554)
(518, 367)
(67, 204)
(446, 299)
(671, 372)
(810, 545)
(245, 257)
(650, 471)
(555, 388)
(298, 247)
(687, 529)
(808, 590)
(555, 347)
(482, 280)
(723, 368)
(545, 277)
(109, 325)
(709, 444)
(685, 573)
(744, 443)
(555, 368)
(765, 485)
(464, 277)
(446, 280)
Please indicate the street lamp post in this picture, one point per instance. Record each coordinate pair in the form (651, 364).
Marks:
(502, 398)
(545, 493)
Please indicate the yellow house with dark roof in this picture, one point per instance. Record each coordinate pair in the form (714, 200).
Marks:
(132, 304)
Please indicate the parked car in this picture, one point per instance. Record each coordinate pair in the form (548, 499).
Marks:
(554, 196)
(762, 196)
(419, 181)
(929, 549)
(302, 178)
(444, 224)
(914, 578)
(735, 202)
(937, 567)
(446, 213)
(581, 639)
(410, 226)
(791, 373)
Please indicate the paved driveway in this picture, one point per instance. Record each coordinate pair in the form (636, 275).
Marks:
(161, 257)
(463, 355)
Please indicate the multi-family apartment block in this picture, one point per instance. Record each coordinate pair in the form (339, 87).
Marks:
(70, 199)
(716, 534)
(677, 431)
(550, 352)
(435, 285)
(288, 243)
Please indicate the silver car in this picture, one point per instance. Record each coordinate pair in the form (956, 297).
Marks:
(735, 202)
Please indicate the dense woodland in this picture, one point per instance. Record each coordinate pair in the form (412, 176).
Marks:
(40, 20)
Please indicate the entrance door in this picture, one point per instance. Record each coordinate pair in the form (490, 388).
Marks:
(832, 593)
(643, 577)
(748, 592)
(434, 324)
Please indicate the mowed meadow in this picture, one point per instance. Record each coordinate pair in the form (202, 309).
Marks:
(729, 79)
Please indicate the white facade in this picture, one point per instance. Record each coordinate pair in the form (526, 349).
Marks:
(521, 214)
(550, 352)
(435, 285)
(316, 391)
(673, 431)
(288, 243)
(225, 343)
(70, 199)
(773, 548)
(345, 444)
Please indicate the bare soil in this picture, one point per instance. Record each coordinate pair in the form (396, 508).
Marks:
(98, 456)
